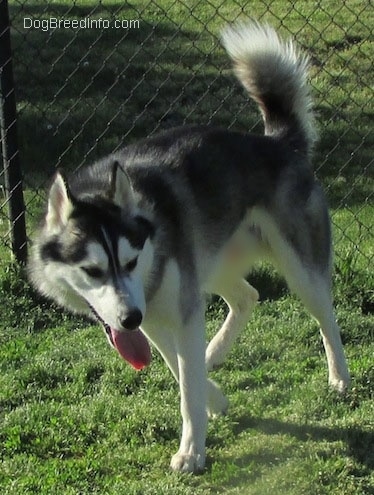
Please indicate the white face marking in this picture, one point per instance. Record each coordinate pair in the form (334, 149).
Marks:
(114, 294)
(126, 252)
(96, 256)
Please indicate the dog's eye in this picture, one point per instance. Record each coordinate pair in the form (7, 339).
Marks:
(131, 264)
(93, 271)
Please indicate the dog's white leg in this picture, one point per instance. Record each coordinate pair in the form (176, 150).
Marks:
(241, 298)
(337, 366)
(190, 346)
(313, 288)
(183, 349)
(317, 299)
(217, 402)
(163, 340)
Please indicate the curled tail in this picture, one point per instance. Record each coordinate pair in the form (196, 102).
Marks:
(275, 75)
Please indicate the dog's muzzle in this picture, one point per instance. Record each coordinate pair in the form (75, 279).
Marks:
(130, 343)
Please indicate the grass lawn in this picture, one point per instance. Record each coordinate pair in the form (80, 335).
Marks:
(74, 418)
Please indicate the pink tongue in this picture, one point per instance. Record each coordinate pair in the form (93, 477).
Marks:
(133, 347)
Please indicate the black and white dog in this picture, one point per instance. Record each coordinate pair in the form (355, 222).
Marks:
(137, 239)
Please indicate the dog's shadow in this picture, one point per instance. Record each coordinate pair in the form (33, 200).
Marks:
(358, 441)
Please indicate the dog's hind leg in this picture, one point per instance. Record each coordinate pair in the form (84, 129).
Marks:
(314, 292)
(303, 256)
(311, 282)
(241, 298)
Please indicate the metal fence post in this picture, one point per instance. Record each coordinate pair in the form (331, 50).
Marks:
(9, 142)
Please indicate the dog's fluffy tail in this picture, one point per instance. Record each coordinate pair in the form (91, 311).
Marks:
(275, 75)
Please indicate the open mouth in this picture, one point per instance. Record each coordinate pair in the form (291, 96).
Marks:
(131, 345)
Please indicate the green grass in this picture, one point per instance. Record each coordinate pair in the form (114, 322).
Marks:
(74, 418)
(92, 91)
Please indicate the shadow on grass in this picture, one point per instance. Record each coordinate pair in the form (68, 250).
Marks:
(279, 461)
(85, 92)
(360, 442)
(82, 94)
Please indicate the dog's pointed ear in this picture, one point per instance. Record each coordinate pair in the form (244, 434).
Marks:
(120, 191)
(60, 203)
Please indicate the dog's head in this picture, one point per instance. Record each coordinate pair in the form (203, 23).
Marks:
(94, 253)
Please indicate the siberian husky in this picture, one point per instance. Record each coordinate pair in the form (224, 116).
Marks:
(138, 238)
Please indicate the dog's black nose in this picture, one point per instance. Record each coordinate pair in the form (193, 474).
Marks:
(132, 320)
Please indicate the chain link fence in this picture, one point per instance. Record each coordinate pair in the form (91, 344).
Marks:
(90, 77)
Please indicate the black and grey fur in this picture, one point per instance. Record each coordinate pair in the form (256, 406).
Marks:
(139, 237)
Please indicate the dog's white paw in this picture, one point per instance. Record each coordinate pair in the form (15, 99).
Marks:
(188, 463)
(217, 403)
(340, 384)
(214, 357)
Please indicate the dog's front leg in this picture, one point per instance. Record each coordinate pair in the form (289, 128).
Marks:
(190, 346)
